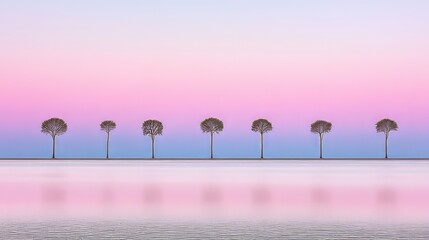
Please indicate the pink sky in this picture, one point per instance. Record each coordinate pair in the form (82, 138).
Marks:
(350, 63)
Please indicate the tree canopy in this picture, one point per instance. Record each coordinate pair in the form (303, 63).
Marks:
(212, 125)
(262, 126)
(321, 127)
(107, 126)
(386, 125)
(54, 127)
(152, 127)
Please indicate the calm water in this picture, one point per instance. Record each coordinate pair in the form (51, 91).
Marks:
(78, 199)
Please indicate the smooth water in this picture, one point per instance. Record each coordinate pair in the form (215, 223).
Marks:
(255, 199)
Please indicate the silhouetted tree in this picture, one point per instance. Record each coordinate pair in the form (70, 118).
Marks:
(107, 126)
(321, 127)
(152, 128)
(385, 126)
(262, 126)
(54, 127)
(211, 125)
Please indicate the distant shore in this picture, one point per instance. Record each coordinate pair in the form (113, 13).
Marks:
(217, 159)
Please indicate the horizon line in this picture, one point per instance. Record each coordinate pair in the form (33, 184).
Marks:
(223, 158)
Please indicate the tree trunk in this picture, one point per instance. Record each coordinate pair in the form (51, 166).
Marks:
(53, 146)
(385, 146)
(107, 145)
(211, 145)
(153, 147)
(262, 145)
(321, 146)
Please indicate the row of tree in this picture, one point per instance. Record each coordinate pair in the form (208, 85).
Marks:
(56, 127)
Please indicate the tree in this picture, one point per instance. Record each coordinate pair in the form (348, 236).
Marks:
(321, 127)
(152, 128)
(262, 126)
(211, 125)
(107, 126)
(54, 127)
(385, 126)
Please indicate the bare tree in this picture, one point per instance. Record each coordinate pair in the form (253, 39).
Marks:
(385, 126)
(107, 126)
(211, 125)
(54, 127)
(152, 128)
(321, 127)
(262, 126)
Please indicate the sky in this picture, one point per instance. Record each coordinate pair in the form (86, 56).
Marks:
(292, 62)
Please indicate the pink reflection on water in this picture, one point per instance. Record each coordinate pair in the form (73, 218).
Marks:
(175, 191)
(152, 195)
(211, 195)
(261, 195)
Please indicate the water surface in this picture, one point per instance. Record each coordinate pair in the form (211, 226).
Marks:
(79, 199)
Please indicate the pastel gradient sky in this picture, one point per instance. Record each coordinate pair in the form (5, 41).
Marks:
(292, 62)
